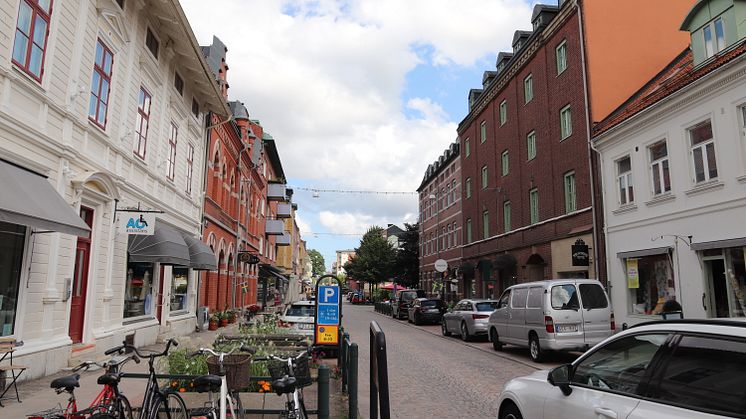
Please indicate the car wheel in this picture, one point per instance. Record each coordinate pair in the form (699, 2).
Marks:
(417, 320)
(464, 332)
(444, 328)
(495, 339)
(534, 348)
(409, 319)
(510, 411)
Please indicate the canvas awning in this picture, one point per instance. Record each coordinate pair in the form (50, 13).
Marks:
(719, 244)
(27, 198)
(644, 252)
(266, 269)
(166, 246)
(201, 257)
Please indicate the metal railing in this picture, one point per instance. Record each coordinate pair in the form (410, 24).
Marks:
(383, 308)
(379, 376)
(347, 363)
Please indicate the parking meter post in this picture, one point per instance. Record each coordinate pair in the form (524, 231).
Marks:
(352, 381)
(323, 395)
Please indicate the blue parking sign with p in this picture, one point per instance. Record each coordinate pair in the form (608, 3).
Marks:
(328, 295)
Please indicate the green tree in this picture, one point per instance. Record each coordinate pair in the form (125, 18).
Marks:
(407, 264)
(317, 262)
(374, 259)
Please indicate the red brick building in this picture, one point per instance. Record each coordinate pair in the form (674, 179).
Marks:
(440, 225)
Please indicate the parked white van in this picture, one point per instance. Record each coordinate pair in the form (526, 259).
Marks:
(558, 314)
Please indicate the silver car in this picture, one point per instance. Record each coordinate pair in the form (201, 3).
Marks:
(299, 317)
(468, 318)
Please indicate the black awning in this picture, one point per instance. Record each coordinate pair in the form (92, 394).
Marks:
(266, 270)
(201, 256)
(166, 246)
(27, 198)
(504, 261)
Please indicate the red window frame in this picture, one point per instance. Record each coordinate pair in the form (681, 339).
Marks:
(144, 101)
(38, 12)
(171, 163)
(190, 168)
(103, 67)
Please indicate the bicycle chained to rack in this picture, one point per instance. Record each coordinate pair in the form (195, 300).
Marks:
(229, 401)
(156, 403)
(110, 402)
(289, 376)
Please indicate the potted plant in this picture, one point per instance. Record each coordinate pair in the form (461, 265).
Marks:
(213, 325)
(223, 317)
(232, 316)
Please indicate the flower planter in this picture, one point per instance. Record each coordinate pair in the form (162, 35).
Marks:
(223, 322)
(212, 326)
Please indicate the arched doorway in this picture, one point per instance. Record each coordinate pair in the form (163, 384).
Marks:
(535, 268)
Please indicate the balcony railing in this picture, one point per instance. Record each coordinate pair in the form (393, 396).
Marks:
(274, 227)
(276, 192)
(283, 240)
(284, 210)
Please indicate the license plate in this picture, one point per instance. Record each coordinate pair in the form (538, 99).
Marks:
(565, 328)
(305, 326)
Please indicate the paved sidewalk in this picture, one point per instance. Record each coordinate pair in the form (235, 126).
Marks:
(36, 395)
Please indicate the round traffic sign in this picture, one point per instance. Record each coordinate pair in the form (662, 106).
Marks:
(441, 265)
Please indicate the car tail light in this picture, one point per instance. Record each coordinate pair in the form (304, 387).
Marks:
(612, 322)
(480, 316)
(549, 324)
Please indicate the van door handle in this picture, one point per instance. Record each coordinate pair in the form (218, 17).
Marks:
(703, 302)
(606, 412)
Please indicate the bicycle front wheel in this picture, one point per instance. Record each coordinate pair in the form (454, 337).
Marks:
(125, 409)
(169, 406)
(237, 406)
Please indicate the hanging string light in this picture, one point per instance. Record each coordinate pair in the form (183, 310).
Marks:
(317, 191)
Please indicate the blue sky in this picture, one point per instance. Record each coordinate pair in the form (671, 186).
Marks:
(359, 95)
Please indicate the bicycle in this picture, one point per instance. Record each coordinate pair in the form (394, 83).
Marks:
(157, 403)
(289, 376)
(109, 403)
(229, 398)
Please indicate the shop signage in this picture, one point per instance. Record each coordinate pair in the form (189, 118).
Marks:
(137, 223)
(246, 257)
(441, 265)
(579, 253)
(633, 275)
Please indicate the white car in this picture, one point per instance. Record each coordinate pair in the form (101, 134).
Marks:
(299, 316)
(663, 370)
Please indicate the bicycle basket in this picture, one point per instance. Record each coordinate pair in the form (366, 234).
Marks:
(278, 369)
(237, 370)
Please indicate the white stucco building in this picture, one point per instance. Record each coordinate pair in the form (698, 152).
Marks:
(674, 178)
(106, 99)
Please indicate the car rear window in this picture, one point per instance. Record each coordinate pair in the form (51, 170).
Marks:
(299, 311)
(408, 295)
(487, 306)
(565, 297)
(593, 296)
(432, 303)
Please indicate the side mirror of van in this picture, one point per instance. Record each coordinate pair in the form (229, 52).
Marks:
(560, 377)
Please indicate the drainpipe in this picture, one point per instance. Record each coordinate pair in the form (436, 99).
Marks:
(238, 220)
(594, 210)
(203, 195)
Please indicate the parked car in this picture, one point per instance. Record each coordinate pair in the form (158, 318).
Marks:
(468, 318)
(299, 317)
(663, 369)
(402, 300)
(426, 310)
(560, 314)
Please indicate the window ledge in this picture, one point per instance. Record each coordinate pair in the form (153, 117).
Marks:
(661, 199)
(625, 209)
(741, 179)
(705, 187)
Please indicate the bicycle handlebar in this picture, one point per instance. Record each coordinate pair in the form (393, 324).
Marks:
(278, 358)
(242, 348)
(125, 345)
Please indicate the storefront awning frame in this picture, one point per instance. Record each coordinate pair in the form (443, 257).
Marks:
(201, 257)
(166, 246)
(644, 252)
(719, 244)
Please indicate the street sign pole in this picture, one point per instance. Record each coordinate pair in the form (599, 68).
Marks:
(328, 316)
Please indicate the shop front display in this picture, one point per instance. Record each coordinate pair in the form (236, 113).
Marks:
(138, 294)
(650, 281)
(12, 240)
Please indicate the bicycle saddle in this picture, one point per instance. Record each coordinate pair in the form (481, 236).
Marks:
(284, 385)
(205, 383)
(68, 382)
(108, 379)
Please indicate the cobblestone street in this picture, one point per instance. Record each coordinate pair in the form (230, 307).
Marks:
(435, 376)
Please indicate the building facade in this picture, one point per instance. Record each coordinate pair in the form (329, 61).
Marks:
(440, 195)
(674, 165)
(103, 113)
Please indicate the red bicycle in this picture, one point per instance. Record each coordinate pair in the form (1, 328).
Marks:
(110, 402)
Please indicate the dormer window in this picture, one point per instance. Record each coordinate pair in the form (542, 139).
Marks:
(714, 37)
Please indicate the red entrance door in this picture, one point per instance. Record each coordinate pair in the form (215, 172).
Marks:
(80, 280)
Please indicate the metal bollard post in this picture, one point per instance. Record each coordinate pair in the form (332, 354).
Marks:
(340, 347)
(323, 401)
(352, 383)
(345, 362)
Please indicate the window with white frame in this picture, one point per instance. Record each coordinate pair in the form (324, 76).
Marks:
(503, 112)
(142, 122)
(565, 122)
(531, 145)
(714, 37)
(455, 242)
(561, 55)
(659, 170)
(483, 131)
(533, 201)
(448, 237)
(624, 180)
(190, 168)
(442, 238)
(506, 216)
(485, 180)
(703, 152)
(505, 160)
(467, 148)
(485, 224)
(468, 230)
(448, 195)
(528, 88)
(171, 161)
(453, 191)
(468, 188)
(570, 195)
